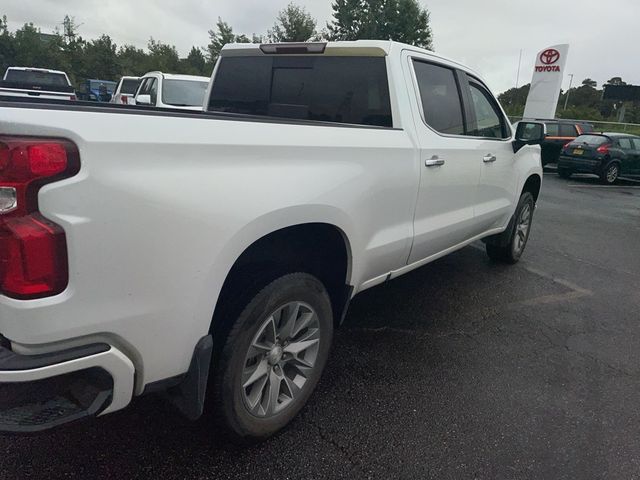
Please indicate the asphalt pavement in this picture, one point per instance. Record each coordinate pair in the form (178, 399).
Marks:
(461, 369)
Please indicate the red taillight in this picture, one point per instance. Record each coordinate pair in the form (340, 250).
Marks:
(73, 97)
(33, 249)
(604, 149)
(566, 145)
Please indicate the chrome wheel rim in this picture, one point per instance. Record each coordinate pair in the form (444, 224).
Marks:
(280, 359)
(522, 229)
(612, 173)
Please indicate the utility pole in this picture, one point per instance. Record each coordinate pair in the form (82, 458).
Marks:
(519, 62)
(566, 99)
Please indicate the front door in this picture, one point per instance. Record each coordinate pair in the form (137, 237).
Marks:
(496, 194)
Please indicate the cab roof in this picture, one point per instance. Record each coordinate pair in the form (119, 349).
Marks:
(367, 48)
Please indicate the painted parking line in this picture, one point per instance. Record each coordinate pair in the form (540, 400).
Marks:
(603, 186)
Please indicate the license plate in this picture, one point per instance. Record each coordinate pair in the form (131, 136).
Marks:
(578, 151)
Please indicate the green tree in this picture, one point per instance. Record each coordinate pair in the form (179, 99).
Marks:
(401, 20)
(616, 81)
(34, 49)
(101, 59)
(7, 46)
(590, 83)
(293, 24)
(220, 37)
(163, 57)
(195, 63)
(133, 61)
(514, 99)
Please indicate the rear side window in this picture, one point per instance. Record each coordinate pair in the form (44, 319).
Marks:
(625, 143)
(440, 98)
(351, 90)
(636, 143)
(184, 93)
(593, 140)
(567, 130)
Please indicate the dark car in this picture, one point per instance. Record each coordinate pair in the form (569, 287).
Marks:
(607, 155)
(558, 133)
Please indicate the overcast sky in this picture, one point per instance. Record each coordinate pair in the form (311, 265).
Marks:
(486, 35)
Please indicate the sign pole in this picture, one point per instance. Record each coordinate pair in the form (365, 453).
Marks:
(566, 99)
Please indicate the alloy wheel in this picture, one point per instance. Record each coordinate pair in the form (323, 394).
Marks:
(282, 355)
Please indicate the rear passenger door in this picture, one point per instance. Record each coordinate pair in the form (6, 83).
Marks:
(491, 142)
(449, 165)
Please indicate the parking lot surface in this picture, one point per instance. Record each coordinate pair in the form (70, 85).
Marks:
(461, 369)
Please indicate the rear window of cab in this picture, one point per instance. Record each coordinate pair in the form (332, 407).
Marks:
(349, 90)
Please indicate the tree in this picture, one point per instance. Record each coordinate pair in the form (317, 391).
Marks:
(401, 20)
(221, 37)
(293, 24)
(589, 83)
(101, 59)
(195, 63)
(616, 81)
(133, 61)
(163, 57)
(7, 46)
(514, 99)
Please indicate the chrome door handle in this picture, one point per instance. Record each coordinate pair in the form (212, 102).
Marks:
(488, 158)
(434, 161)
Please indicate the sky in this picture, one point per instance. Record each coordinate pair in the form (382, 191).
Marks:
(485, 35)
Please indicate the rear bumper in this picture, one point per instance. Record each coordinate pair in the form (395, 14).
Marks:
(38, 392)
(580, 165)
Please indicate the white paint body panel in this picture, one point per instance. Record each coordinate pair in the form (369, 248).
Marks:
(163, 206)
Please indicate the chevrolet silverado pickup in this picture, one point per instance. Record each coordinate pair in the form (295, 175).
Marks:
(215, 251)
(38, 83)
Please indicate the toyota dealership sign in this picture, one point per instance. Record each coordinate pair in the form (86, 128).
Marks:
(546, 83)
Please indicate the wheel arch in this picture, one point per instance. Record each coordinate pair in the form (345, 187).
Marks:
(532, 185)
(322, 249)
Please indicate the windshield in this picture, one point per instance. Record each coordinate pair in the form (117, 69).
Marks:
(592, 140)
(129, 86)
(184, 93)
(34, 77)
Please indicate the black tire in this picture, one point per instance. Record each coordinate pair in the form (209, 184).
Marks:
(610, 173)
(508, 253)
(564, 173)
(232, 412)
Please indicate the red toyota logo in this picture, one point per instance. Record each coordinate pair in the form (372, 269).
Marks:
(550, 56)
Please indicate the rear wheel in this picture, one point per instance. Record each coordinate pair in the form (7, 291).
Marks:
(273, 356)
(564, 172)
(512, 251)
(610, 174)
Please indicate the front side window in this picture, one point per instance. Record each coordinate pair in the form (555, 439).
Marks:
(352, 90)
(440, 98)
(489, 121)
(153, 90)
(636, 143)
(184, 93)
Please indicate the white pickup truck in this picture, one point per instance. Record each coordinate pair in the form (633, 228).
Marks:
(146, 250)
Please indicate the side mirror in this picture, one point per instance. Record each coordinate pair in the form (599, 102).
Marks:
(528, 133)
(143, 99)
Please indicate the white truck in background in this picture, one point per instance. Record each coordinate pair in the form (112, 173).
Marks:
(148, 250)
(170, 90)
(40, 83)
